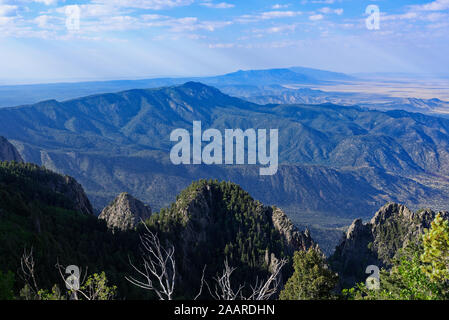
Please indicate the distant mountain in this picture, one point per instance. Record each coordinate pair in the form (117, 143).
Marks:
(261, 77)
(337, 162)
(8, 152)
(377, 242)
(322, 75)
(15, 95)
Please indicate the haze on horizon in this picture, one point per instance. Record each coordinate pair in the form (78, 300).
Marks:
(124, 39)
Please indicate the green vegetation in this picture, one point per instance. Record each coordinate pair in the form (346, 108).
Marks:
(312, 279)
(212, 221)
(6, 285)
(33, 215)
(419, 272)
(436, 250)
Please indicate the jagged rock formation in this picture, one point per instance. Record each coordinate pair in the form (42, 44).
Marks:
(72, 190)
(198, 213)
(377, 242)
(8, 152)
(212, 221)
(125, 212)
(295, 239)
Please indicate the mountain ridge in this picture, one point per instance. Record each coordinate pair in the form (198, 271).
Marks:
(340, 159)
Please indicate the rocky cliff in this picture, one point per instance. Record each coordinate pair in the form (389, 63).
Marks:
(377, 242)
(8, 152)
(125, 212)
(212, 221)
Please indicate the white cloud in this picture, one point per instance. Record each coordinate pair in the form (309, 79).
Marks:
(316, 17)
(46, 2)
(279, 6)
(339, 11)
(221, 45)
(437, 5)
(7, 10)
(221, 5)
(328, 10)
(146, 4)
(248, 18)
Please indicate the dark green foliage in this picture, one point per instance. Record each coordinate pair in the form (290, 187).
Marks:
(6, 285)
(237, 228)
(344, 160)
(406, 280)
(312, 279)
(34, 216)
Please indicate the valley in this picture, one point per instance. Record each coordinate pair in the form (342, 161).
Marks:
(336, 162)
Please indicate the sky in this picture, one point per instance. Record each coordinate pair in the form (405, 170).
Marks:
(75, 40)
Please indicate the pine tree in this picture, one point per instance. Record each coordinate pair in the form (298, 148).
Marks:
(436, 250)
(311, 280)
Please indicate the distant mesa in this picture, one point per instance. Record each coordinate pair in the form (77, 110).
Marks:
(125, 212)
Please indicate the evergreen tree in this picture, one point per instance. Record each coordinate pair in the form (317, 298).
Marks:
(436, 250)
(311, 280)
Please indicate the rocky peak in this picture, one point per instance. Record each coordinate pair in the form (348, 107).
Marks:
(8, 152)
(389, 210)
(296, 239)
(125, 212)
(377, 242)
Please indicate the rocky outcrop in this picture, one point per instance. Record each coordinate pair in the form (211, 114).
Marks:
(377, 242)
(206, 209)
(295, 239)
(72, 190)
(8, 152)
(125, 212)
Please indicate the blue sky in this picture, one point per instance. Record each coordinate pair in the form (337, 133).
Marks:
(127, 39)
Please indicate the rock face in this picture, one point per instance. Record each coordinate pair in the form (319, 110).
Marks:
(377, 242)
(125, 212)
(212, 218)
(73, 191)
(295, 239)
(198, 215)
(52, 189)
(8, 152)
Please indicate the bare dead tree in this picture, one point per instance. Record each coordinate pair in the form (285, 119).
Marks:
(201, 284)
(159, 267)
(27, 271)
(265, 290)
(260, 291)
(223, 289)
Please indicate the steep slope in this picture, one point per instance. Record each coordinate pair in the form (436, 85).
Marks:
(337, 162)
(209, 222)
(8, 152)
(50, 215)
(212, 221)
(377, 242)
(125, 212)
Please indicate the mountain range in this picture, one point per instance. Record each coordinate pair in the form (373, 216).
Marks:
(50, 216)
(337, 163)
(14, 95)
